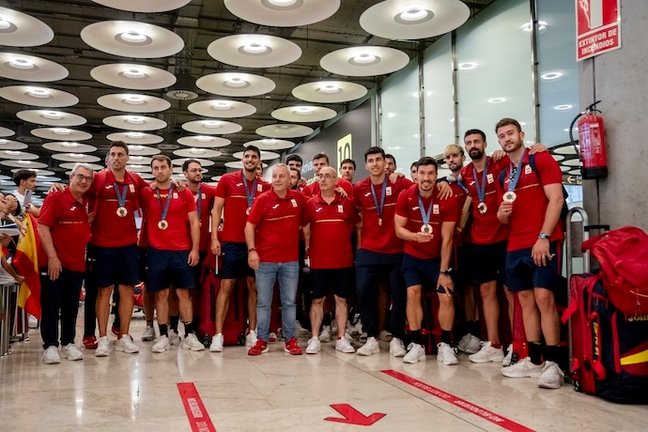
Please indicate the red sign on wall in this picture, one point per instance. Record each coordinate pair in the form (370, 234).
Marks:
(598, 27)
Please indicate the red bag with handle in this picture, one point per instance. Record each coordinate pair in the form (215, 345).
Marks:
(623, 256)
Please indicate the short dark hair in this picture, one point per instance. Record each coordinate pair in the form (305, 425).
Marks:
(508, 121)
(295, 157)
(321, 155)
(185, 164)
(374, 150)
(391, 156)
(475, 131)
(346, 161)
(297, 171)
(253, 148)
(161, 157)
(121, 144)
(23, 174)
(414, 165)
(427, 160)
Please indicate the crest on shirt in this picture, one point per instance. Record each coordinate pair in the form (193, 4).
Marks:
(293, 202)
(131, 187)
(388, 191)
(175, 195)
(489, 178)
(259, 188)
(340, 208)
(435, 209)
(527, 170)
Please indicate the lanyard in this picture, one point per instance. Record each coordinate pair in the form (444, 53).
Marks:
(379, 205)
(425, 214)
(481, 188)
(249, 196)
(121, 196)
(165, 208)
(518, 171)
(199, 201)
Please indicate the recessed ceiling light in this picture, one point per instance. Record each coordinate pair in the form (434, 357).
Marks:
(496, 100)
(282, 3)
(221, 105)
(467, 66)
(529, 25)
(197, 150)
(4, 23)
(551, 75)
(133, 37)
(53, 115)
(137, 158)
(329, 89)
(210, 124)
(12, 152)
(135, 135)
(364, 59)
(3, 141)
(70, 144)
(413, 15)
(134, 73)
(23, 162)
(134, 120)
(255, 48)
(563, 107)
(39, 93)
(77, 155)
(134, 100)
(236, 82)
(136, 147)
(21, 63)
(61, 131)
(203, 138)
(303, 110)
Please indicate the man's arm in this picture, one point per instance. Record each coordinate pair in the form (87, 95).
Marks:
(447, 232)
(54, 266)
(194, 224)
(540, 252)
(400, 223)
(253, 256)
(216, 217)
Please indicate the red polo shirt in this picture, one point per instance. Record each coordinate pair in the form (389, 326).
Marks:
(277, 222)
(374, 236)
(67, 220)
(331, 227)
(486, 228)
(177, 237)
(442, 211)
(108, 229)
(205, 196)
(313, 189)
(231, 189)
(531, 202)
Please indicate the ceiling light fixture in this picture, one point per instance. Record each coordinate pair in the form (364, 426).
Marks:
(413, 15)
(61, 131)
(135, 135)
(197, 150)
(133, 37)
(221, 105)
(282, 3)
(136, 147)
(52, 115)
(13, 152)
(237, 82)
(77, 155)
(39, 93)
(563, 107)
(551, 75)
(304, 110)
(70, 144)
(203, 138)
(133, 73)
(329, 89)
(255, 48)
(211, 124)
(364, 59)
(134, 100)
(496, 100)
(136, 120)
(467, 66)
(21, 63)
(5, 23)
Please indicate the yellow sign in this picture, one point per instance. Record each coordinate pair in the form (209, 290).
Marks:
(344, 149)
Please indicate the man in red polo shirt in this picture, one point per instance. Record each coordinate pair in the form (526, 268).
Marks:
(235, 194)
(64, 230)
(531, 200)
(329, 217)
(173, 237)
(427, 225)
(380, 252)
(272, 237)
(321, 160)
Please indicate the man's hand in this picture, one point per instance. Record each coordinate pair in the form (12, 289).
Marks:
(194, 258)
(341, 191)
(19, 279)
(540, 253)
(504, 211)
(444, 190)
(498, 154)
(56, 187)
(421, 237)
(445, 282)
(54, 268)
(253, 260)
(215, 247)
(537, 148)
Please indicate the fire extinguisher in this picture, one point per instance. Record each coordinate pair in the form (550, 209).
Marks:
(591, 137)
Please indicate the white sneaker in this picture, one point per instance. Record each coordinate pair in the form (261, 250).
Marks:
(415, 354)
(552, 376)
(149, 333)
(446, 354)
(125, 344)
(174, 337)
(72, 353)
(487, 354)
(325, 335)
(192, 343)
(314, 346)
(356, 329)
(397, 348)
(508, 358)
(161, 344)
(469, 344)
(51, 355)
(523, 369)
(385, 336)
(103, 347)
(343, 345)
(216, 343)
(272, 337)
(251, 338)
(369, 348)
(348, 336)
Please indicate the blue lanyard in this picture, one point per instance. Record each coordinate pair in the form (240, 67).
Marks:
(199, 201)
(425, 214)
(481, 188)
(518, 171)
(121, 196)
(379, 206)
(165, 208)
(249, 196)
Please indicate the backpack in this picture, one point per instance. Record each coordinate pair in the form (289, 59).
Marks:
(623, 256)
(564, 211)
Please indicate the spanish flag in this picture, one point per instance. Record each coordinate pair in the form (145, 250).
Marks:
(26, 264)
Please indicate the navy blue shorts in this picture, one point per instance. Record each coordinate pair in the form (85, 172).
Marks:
(323, 281)
(168, 268)
(487, 262)
(522, 274)
(115, 265)
(417, 271)
(235, 261)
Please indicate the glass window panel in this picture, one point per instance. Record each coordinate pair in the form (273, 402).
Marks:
(438, 97)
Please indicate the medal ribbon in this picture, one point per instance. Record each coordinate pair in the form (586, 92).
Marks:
(425, 214)
(199, 201)
(379, 206)
(121, 196)
(518, 171)
(249, 196)
(167, 203)
(481, 188)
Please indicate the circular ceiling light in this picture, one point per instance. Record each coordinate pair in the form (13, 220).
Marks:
(211, 127)
(60, 133)
(22, 64)
(284, 131)
(364, 61)
(204, 141)
(40, 93)
(551, 75)
(146, 6)
(133, 76)
(283, 13)
(38, 96)
(134, 123)
(23, 67)
(134, 137)
(235, 84)
(271, 144)
(23, 164)
(21, 30)
(194, 152)
(133, 73)
(66, 146)
(254, 51)
(303, 114)
(414, 19)
(222, 108)
(133, 103)
(51, 118)
(132, 39)
(12, 145)
(329, 91)
(467, 66)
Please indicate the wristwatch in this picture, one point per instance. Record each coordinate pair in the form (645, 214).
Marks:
(446, 272)
(543, 236)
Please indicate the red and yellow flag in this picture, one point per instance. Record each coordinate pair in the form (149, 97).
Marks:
(26, 264)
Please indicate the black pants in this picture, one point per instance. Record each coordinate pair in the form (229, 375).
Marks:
(59, 297)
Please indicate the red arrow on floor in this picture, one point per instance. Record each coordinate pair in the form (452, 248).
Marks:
(353, 416)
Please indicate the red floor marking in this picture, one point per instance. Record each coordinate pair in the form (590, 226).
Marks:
(196, 413)
(460, 403)
(353, 416)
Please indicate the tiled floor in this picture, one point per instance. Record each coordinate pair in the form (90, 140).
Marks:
(277, 392)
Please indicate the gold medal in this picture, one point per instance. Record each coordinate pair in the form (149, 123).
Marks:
(509, 197)
(122, 212)
(426, 228)
(482, 208)
(163, 224)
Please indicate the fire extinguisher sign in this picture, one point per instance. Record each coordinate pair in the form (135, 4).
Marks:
(598, 27)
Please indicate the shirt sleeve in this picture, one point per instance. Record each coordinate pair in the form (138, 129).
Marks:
(548, 169)
(48, 211)
(221, 189)
(450, 209)
(189, 203)
(401, 205)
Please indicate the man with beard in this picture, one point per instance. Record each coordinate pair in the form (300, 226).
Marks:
(427, 225)
(235, 195)
(531, 202)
